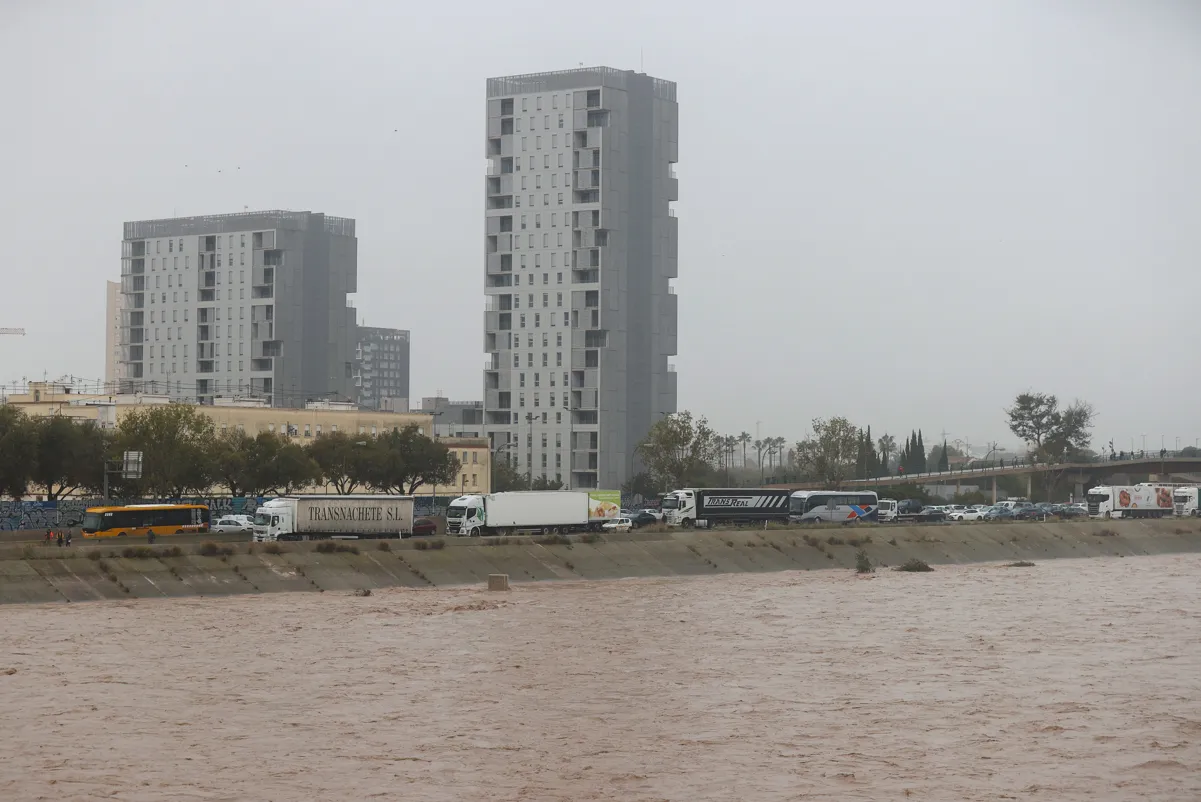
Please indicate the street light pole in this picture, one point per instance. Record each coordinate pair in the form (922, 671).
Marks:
(529, 416)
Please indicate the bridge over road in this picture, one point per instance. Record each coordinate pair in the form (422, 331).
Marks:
(1170, 467)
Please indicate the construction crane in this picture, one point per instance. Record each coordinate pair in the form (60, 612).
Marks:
(19, 332)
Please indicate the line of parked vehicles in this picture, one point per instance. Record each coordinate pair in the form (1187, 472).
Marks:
(741, 506)
(563, 511)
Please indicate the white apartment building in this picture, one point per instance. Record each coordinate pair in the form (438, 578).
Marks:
(246, 305)
(581, 245)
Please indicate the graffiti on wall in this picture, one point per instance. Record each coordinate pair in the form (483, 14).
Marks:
(24, 515)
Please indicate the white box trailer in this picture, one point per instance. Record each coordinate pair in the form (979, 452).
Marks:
(346, 517)
(1130, 501)
(532, 511)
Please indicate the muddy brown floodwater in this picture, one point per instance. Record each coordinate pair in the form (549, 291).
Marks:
(1071, 680)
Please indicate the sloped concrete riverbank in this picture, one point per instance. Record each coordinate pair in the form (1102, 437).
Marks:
(98, 571)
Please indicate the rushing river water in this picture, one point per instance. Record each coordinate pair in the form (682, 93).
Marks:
(1070, 680)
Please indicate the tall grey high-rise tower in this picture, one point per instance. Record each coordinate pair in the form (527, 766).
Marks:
(581, 245)
(250, 304)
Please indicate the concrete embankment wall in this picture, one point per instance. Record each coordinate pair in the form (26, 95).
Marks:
(86, 572)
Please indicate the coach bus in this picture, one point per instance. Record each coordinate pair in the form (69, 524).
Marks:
(832, 506)
(139, 520)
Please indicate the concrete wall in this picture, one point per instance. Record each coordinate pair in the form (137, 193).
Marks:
(46, 573)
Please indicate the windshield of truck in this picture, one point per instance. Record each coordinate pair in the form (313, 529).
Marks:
(262, 519)
(670, 503)
(1098, 498)
(456, 510)
(886, 506)
(1179, 498)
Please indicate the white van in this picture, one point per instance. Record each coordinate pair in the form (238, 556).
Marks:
(1014, 504)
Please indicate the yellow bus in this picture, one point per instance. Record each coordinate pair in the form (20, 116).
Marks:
(138, 520)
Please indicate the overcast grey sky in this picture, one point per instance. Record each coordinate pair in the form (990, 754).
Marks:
(905, 213)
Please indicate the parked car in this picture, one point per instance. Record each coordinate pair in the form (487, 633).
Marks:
(233, 523)
(999, 514)
(619, 525)
(643, 518)
(656, 514)
(981, 507)
(1030, 514)
(1072, 511)
(934, 514)
(424, 527)
(951, 509)
(967, 514)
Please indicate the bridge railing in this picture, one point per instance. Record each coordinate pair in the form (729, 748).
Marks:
(1024, 464)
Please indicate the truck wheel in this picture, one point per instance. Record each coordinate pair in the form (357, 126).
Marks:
(687, 523)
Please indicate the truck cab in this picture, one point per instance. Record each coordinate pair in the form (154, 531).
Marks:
(679, 508)
(466, 516)
(1184, 501)
(274, 520)
(887, 510)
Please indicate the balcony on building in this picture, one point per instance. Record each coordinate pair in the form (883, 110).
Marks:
(589, 238)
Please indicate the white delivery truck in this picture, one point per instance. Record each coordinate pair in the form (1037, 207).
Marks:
(1130, 501)
(344, 517)
(547, 511)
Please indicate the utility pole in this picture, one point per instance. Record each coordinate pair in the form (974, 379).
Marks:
(529, 416)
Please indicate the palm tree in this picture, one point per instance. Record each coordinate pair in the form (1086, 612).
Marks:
(888, 447)
(744, 439)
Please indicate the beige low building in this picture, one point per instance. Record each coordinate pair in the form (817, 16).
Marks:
(44, 399)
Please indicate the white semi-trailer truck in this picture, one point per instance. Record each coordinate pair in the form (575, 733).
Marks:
(544, 511)
(1145, 500)
(345, 517)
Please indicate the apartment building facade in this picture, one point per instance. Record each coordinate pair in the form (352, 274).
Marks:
(381, 373)
(249, 305)
(580, 250)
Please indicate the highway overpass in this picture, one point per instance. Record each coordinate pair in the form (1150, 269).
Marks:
(1086, 474)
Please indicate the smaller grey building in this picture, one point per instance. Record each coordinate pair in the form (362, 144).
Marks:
(455, 418)
(381, 374)
(239, 305)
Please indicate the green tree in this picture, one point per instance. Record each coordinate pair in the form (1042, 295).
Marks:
(291, 470)
(943, 463)
(830, 453)
(18, 452)
(404, 460)
(175, 441)
(680, 451)
(231, 458)
(505, 477)
(888, 446)
(545, 483)
(1054, 434)
(344, 460)
(70, 456)
(744, 439)
(919, 454)
(644, 484)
